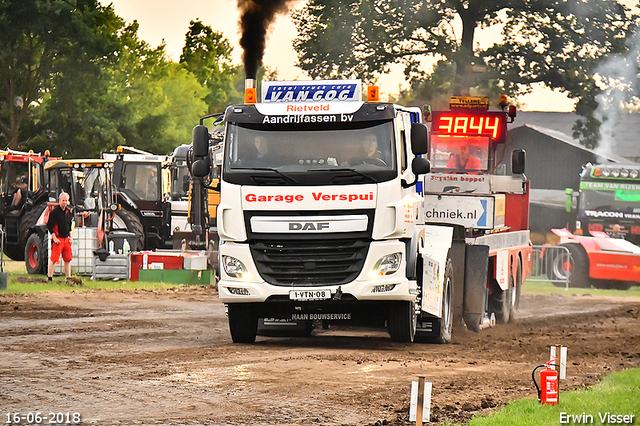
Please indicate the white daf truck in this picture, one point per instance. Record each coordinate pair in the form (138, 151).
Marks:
(323, 217)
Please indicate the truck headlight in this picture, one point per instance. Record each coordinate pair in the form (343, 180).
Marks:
(234, 267)
(388, 264)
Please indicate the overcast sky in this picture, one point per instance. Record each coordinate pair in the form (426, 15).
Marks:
(168, 20)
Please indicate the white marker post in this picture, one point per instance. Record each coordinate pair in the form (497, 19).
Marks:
(420, 407)
(561, 363)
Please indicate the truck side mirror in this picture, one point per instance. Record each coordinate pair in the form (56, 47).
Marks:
(569, 200)
(419, 139)
(518, 161)
(200, 168)
(200, 141)
(420, 166)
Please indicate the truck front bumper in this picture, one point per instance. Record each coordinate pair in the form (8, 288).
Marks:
(368, 286)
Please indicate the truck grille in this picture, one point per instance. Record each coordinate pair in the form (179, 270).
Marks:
(310, 263)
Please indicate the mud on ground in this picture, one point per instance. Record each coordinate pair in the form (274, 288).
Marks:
(166, 357)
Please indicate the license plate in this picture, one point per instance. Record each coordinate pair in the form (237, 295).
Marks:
(310, 294)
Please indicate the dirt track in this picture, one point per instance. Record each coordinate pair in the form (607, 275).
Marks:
(166, 357)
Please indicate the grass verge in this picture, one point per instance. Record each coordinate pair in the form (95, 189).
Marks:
(20, 282)
(59, 284)
(617, 395)
(546, 287)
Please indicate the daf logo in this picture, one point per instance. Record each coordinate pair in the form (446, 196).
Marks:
(308, 226)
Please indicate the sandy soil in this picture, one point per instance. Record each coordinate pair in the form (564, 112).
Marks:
(166, 357)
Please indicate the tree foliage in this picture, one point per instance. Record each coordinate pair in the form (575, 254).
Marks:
(556, 42)
(42, 40)
(161, 100)
(207, 54)
(139, 99)
(79, 81)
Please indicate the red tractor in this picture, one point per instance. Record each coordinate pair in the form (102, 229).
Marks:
(23, 197)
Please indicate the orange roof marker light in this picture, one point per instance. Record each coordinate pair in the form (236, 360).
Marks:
(250, 94)
(373, 94)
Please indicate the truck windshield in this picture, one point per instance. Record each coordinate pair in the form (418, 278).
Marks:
(462, 154)
(254, 155)
(620, 200)
(89, 184)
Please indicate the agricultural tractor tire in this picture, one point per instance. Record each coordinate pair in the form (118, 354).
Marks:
(25, 228)
(128, 221)
(36, 255)
(14, 252)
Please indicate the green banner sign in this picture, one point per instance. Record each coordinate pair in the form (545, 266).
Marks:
(610, 186)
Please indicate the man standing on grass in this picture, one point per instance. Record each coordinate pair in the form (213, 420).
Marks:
(60, 226)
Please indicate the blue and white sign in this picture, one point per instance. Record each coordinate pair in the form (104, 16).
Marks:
(311, 91)
(467, 210)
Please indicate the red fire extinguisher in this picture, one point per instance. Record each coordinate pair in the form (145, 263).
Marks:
(548, 389)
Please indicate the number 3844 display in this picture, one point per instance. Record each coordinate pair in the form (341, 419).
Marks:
(488, 123)
(38, 418)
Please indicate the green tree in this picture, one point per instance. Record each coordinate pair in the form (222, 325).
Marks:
(43, 39)
(139, 99)
(162, 99)
(207, 54)
(558, 43)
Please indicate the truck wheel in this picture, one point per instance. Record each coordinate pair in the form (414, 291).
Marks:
(577, 268)
(36, 255)
(243, 323)
(128, 221)
(403, 321)
(612, 284)
(515, 293)
(441, 328)
(500, 301)
(620, 285)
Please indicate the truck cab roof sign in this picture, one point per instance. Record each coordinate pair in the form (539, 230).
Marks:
(311, 91)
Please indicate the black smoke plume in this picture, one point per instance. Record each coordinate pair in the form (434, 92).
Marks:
(255, 18)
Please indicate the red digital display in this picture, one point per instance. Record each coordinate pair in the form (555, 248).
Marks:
(488, 123)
